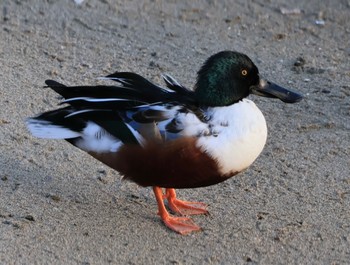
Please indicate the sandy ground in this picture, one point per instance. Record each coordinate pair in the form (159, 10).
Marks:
(292, 206)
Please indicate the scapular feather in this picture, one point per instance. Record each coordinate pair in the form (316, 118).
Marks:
(133, 91)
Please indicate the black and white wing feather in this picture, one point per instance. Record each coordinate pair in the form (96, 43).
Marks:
(98, 116)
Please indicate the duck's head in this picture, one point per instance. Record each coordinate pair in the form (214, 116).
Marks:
(228, 76)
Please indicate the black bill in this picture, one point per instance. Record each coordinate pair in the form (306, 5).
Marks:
(271, 90)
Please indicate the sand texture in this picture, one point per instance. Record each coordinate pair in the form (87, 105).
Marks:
(292, 206)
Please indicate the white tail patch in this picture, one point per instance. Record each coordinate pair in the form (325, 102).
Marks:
(45, 129)
(95, 138)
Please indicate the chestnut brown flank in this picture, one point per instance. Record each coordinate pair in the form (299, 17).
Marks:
(174, 164)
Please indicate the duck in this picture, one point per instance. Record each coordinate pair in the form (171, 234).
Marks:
(169, 137)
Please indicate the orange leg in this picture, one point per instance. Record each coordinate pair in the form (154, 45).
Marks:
(184, 207)
(182, 225)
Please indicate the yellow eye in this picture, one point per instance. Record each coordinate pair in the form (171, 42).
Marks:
(244, 72)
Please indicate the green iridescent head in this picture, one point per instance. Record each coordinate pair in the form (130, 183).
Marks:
(225, 78)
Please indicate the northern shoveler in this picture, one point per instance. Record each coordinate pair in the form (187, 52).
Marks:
(169, 138)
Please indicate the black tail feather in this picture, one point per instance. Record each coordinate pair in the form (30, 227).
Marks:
(92, 91)
(58, 117)
(134, 91)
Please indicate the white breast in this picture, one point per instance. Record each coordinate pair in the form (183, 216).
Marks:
(239, 136)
